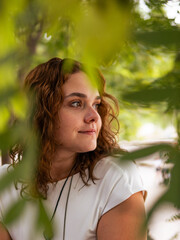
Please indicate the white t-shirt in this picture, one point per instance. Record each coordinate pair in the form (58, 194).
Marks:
(86, 204)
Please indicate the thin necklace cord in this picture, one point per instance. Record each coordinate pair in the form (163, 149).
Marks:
(57, 203)
(65, 214)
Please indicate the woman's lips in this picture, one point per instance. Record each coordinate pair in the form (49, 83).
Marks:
(88, 132)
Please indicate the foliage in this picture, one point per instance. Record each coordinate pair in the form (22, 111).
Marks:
(137, 52)
(174, 218)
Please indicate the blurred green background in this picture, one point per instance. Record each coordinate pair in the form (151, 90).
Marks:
(136, 44)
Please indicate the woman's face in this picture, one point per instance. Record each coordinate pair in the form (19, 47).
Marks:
(79, 123)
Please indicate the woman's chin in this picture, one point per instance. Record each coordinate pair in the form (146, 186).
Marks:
(87, 148)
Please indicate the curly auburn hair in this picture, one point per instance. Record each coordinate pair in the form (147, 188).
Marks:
(45, 82)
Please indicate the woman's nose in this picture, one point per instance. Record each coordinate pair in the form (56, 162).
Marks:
(91, 115)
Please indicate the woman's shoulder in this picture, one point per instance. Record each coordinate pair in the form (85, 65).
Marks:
(119, 179)
(122, 172)
(114, 165)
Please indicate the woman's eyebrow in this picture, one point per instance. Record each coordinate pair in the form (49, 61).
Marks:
(82, 95)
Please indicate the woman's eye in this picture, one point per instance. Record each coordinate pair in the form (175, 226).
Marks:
(76, 104)
(97, 105)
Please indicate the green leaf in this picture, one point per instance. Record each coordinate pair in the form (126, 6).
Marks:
(168, 37)
(12, 136)
(143, 152)
(170, 95)
(14, 211)
(5, 94)
(8, 178)
(174, 218)
(173, 193)
(43, 221)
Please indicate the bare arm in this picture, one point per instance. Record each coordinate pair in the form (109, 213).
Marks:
(124, 221)
(4, 233)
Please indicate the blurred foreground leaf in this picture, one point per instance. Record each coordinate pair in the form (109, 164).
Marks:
(8, 179)
(14, 211)
(6, 94)
(173, 193)
(144, 152)
(13, 135)
(43, 221)
(156, 38)
(148, 96)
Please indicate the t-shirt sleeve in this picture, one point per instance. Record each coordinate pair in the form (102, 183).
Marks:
(123, 180)
(3, 171)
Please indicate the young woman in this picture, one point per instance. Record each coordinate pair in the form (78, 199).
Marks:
(87, 194)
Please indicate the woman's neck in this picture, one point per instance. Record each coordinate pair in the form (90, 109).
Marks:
(61, 165)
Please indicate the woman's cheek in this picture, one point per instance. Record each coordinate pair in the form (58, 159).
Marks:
(100, 124)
